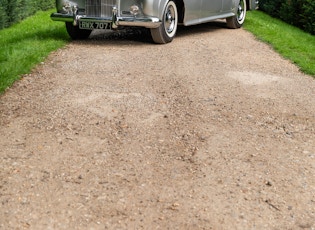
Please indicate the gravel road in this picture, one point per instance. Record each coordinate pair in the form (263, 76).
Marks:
(212, 131)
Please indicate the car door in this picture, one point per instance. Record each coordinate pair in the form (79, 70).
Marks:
(192, 12)
(199, 11)
(228, 5)
(211, 7)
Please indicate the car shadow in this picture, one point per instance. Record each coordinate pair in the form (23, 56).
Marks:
(140, 36)
(201, 28)
(122, 36)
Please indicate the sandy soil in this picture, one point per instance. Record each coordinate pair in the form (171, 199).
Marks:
(212, 131)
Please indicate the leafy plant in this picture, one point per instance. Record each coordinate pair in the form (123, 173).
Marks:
(308, 16)
(300, 13)
(12, 11)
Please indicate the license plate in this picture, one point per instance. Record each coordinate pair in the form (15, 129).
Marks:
(94, 25)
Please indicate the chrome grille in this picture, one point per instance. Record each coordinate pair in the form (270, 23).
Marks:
(99, 8)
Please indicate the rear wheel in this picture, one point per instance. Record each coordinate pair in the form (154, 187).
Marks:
(167, 30)
(238, 20)
(76, 33)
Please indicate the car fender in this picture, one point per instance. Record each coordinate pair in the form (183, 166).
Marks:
(154, 8)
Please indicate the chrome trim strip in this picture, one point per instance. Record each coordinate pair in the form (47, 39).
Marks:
(142, 22)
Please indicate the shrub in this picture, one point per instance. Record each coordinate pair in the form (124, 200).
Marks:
(271, 7)
(308, 16)
(3, 16)
(300, 13)
(12, 11)
(290, 12)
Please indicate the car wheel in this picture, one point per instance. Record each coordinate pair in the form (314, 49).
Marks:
(76, 33)
(238, 20)
(167, 30)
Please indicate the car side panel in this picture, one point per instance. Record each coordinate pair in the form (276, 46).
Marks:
(192, 12)
(210, 7)
(209, 10)
(228, 5)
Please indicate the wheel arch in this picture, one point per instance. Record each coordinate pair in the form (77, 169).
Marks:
(180, 9)
(179, 4)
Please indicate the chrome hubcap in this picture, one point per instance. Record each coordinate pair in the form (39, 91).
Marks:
(170, 20)
(241, 11)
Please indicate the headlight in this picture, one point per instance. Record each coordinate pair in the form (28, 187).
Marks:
(69, 7)
(134, 10)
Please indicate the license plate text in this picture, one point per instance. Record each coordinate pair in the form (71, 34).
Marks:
(94, 25)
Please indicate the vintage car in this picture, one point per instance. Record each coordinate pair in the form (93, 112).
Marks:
(160, 16)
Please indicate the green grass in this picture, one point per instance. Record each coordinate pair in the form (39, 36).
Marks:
(291, 42)
(28, 43)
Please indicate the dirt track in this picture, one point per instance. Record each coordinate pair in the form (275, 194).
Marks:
(212, 131)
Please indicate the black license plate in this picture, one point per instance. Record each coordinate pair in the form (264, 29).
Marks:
(94, 25)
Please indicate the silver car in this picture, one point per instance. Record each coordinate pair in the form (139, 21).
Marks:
(160, 16)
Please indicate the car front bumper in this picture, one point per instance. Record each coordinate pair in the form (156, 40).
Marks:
(115, 21)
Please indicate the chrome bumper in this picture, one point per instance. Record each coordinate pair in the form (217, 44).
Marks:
(116, 21)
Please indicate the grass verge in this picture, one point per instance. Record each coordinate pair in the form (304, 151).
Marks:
(291, 42)
(26, 44)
